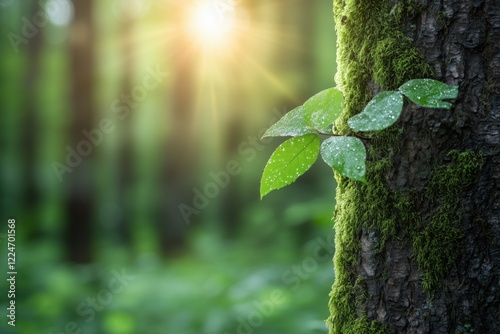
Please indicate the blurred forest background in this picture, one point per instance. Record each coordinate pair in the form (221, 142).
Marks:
(154, 98)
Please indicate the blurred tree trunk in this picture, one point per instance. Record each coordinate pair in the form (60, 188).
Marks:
(126, 155)
(30, 130)
(180, 154)
(80, 187)
(296, 25)
(418, 248)
(232, 197)
(302, 22)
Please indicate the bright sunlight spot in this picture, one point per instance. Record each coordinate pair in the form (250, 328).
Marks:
(212, 25)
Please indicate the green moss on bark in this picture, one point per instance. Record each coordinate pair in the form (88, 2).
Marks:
(372, 53)
(359, 206)
(438, 245)
(364, 326)
(394, 59)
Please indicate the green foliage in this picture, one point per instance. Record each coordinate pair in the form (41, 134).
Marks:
(292, 123)
(317, 113)
(323, 109)
(380, 113)
(290, 160)
(205, 291)
(429, 93)
(346, 155)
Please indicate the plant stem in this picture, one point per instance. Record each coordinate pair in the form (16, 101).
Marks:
(357, 135)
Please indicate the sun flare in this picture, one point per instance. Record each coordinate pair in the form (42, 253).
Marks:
(210, 25)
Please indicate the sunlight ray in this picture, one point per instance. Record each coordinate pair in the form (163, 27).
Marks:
(276, 82)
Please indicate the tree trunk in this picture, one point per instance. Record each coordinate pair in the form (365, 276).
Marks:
(418, 248)
(31, 121)
(79, 203)
(126, 150)
(179, 159)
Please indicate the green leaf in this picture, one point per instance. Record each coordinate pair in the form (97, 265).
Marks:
(347, 155)
(290, 160)
(292, 123)
(323, 109)
(429, 93)
(380, 113)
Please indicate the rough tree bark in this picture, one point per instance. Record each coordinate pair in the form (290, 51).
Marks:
(418, 248)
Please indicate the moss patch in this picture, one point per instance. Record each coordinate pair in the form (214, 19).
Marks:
(438, 245)
(394, 59)
(372, 50)
(364, 326)
(372, 53)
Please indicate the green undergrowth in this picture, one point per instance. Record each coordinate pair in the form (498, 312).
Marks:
(373, 54)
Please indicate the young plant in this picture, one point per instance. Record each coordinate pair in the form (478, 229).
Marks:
(345, 154)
